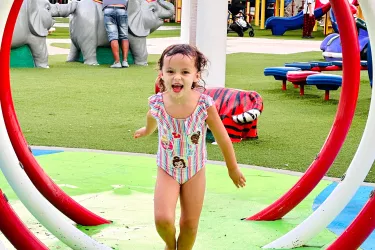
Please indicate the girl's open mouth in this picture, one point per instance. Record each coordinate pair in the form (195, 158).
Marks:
(177, 88)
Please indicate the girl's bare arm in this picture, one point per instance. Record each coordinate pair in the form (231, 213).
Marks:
(150, 127)
(221, 136)
(225, 144)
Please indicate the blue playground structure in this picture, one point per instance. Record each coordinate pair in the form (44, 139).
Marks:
(279, 25)
(331, 45)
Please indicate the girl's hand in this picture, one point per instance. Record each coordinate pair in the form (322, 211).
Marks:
(140, 132)
(237, 177)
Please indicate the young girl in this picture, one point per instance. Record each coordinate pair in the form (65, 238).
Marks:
(181, 114)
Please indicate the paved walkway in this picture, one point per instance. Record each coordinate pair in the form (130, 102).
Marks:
(234, 45)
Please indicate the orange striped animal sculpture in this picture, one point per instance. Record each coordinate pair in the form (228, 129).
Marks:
(239, 111)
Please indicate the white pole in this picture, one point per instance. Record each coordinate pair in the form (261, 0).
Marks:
(193, 22)
(355, 175)
(212, 39)
(185, 21)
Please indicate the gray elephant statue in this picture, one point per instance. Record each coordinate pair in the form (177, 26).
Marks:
(33, 23)
(87, 30)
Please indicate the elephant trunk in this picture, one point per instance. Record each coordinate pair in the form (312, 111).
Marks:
(63, 10)
(168, 9)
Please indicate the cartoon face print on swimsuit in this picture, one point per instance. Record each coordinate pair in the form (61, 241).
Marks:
(166, 143)
(194, 138)
(178, 162)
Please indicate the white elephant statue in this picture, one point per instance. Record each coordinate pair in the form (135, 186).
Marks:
(87, 30)
(34, 20)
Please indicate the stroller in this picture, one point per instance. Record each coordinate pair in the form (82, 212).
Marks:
(239, 24)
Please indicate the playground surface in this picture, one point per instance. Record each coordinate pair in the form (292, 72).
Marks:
(119, 186)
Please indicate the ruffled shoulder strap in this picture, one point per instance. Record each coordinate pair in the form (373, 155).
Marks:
(155, 102)
(207, 101)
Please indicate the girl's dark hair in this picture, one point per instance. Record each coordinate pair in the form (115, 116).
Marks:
(185, 50)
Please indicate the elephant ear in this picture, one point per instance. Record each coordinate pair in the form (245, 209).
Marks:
(136, 22)
(36, 15)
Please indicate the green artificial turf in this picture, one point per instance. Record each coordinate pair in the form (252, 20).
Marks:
(61, 45)
(61, 19)
(76, 105)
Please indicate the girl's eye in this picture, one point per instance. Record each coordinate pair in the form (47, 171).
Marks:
(186, 72)
(169, 71)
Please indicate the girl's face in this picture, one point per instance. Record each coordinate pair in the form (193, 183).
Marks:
(179, 73)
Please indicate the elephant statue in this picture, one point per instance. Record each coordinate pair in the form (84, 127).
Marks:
(33, 23)
(87, 30)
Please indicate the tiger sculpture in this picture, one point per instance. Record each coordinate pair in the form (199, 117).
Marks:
(238, 110)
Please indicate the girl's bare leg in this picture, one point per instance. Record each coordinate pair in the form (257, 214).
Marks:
(166, 194)
(191, 199)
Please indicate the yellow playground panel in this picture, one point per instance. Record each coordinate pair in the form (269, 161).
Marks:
(260, 11)
(279, 8)
(178, 11)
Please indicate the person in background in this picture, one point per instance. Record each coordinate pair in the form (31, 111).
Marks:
(308, 18)
(116, 25)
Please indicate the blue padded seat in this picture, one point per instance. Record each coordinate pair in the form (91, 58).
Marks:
(337, 63)
(323, 64)
(279, 72)
(325, 81)
(302, 65)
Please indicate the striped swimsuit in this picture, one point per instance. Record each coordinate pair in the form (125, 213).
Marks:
(182, 148)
